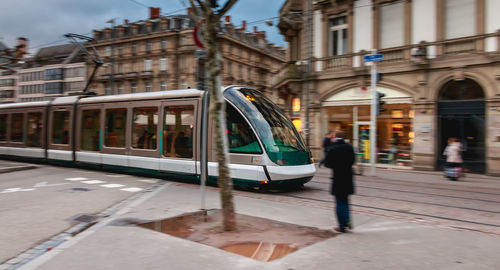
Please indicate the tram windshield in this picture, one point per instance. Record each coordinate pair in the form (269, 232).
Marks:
(281, 140)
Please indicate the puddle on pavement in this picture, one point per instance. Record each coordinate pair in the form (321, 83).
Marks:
(261, 251)
(257, 238)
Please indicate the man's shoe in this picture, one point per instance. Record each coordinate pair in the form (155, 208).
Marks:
(337, 229)
(349, 225)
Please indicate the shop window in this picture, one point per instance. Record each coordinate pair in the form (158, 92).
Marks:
(144, 128)
(3, 127)
(178, 131)
(34, 129)
(115, 127)
(90, 130)
(60, 127)
(397, 114)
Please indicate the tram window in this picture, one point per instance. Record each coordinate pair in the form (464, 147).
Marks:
(178, 131)
(3, 127)
(115, 127)
(17, 130)
(34, 129)
(90, 130)
(60, 127)
(144, 128)
(240, 136)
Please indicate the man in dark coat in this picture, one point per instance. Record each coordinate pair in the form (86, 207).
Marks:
(340, 159)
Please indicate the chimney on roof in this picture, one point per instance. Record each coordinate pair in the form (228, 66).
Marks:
(244, 25)
(255, 30)
(125, 21)
(22, 47)
(228, 19)
(154, 12)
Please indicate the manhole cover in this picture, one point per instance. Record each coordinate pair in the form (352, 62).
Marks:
(86, 218)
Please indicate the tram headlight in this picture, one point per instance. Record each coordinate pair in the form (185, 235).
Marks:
(282, 162)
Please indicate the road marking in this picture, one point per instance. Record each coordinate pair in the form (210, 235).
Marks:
(132, 189)
(44, 184)
(381, 229)
(115, 175)
(92, 182)
(112, 185)
(76, 179)
(149, 181)
(12, 190)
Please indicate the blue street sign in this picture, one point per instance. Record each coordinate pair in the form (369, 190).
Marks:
(373, 57)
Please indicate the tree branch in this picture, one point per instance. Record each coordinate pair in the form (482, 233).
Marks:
(196, 16)
(226, 7)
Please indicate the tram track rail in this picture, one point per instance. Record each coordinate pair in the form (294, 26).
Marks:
(395, 210)
(422, 193)
(426, 185)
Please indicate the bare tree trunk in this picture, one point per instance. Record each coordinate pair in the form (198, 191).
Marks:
(217, 105)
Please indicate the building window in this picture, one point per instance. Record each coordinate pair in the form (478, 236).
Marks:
(107, 89)
(338, 35)
(107, 51)
(148, 65)
(133, 87)
(134, 48)
(163, 64)
(120, 51)
(148, 86)
(164, 45)
(54, 74)
(148, 46)
(163, 86)
(120, 88)
(54, 88)
(460, 18)
(392, 24)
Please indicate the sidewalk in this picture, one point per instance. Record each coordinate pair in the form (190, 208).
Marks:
(376, 243)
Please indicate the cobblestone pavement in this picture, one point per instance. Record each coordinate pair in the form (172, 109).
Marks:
(473, 203)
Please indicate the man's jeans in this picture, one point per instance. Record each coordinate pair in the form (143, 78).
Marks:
(342, 209)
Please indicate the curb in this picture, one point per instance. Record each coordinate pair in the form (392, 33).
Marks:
(17, 168)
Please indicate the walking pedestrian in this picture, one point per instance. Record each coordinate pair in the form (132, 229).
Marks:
(327, 140)
(453, 153)
(340, 159)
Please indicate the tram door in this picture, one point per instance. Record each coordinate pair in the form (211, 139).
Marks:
(178, 142)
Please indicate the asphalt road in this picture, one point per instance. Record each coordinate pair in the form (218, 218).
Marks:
(39, 203)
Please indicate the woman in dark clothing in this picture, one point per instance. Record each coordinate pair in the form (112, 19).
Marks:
(327, 140)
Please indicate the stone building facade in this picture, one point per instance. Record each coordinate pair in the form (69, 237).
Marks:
(159, 54)
(440, 75)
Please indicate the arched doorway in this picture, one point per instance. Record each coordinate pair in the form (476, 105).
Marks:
(461, 114)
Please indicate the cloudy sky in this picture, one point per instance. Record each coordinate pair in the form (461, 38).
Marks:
(44, 22)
